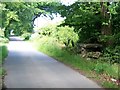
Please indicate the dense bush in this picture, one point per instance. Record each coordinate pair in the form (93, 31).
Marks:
(67, 35)
(1, 32)
(117, 39)
(35, 37)
(26, 36)
(112, 55)
(3, 53)
(47, 44)
(49, 30)
(4, 40)
(45, 40)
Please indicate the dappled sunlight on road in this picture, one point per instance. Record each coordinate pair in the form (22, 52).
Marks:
(16, 44)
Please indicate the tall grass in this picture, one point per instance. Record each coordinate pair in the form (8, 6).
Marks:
(3, 55)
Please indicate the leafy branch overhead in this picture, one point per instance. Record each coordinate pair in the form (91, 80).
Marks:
(23, 14)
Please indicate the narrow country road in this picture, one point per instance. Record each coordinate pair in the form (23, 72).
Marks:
(28, 68)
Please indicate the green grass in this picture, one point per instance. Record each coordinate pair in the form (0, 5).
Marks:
(109, 85)
(2, 71)
(3, 55)
(53, 50)
(3, 51)
(90, 67)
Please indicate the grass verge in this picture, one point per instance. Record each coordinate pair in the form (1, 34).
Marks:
(97, 70)
(3, 55)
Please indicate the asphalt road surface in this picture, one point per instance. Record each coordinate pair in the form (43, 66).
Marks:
(28, 68)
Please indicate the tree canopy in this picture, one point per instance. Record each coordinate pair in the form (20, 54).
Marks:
(19, 16)
(92, 19)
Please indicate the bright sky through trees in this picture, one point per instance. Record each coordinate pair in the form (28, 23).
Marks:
(68, 2)
(43, 21)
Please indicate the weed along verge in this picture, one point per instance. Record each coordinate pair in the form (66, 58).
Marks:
(3, 55)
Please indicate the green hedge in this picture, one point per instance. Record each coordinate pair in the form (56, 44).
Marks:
(3, 52)
(3, 55)
(26, 36)
(3, 39)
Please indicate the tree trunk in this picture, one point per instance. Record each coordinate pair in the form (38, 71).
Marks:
(106, 27)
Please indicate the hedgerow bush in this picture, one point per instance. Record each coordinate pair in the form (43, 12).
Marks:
(112, 55)
(67, 35)
(3, 51)
(35, 37)
(49, 30)
(64, 34)
(1, 32)
(4, 40)
(45, 40)
(26, 36)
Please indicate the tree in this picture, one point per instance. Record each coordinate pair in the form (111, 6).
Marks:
(85, 18)
(20, 15)
(92, 20)
(17, 14)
